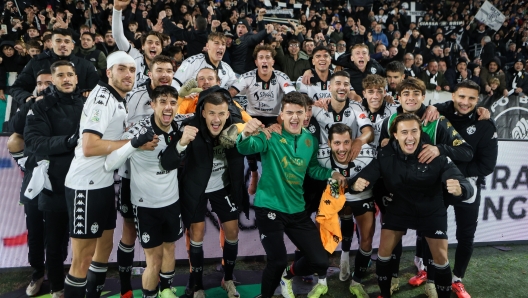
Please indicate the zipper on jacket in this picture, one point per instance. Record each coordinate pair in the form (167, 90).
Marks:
(295, 144)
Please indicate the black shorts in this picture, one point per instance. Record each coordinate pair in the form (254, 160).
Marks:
(221, 204)
(124, 205)
(154, 226)
(432, 226)
(382, 196)
(360, 207)
(91, 211)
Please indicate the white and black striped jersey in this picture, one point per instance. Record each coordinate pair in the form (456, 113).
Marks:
(353, 115)
(315, 91)
(138, 104)
(103, 114)
(377, 118)
(264, 98)
(190, 67)
(150, 185)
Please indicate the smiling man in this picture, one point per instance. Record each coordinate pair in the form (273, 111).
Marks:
(320, 82)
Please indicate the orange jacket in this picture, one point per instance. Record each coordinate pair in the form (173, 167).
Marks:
(328, 219)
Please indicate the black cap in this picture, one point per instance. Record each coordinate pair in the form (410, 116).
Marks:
(519, 60)
(228, 33)
(245, 23)
(461, 60)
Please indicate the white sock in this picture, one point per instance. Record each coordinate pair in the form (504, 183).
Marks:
(322, 281)
(345, 256)
(418, 262)
(456, 278)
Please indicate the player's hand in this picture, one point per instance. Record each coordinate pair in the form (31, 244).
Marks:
(453, 187)
(71, 142)
(145, 135)
(307, 75)
(355, 148)
(360, 184)
(189, 134)
(277, 128)
(121, 4)
(389, 99)
(323, 103)
(384, 142)
(484, 114)
(215, 23)
(431, 114)
(149, 146)
(252, 127)
(340, 179)
(428, 153)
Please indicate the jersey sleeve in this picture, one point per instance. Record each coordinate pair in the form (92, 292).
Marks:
(183, 73)
(241, 83)
(449, 142)
(98, 116)
(231, 78)
(302, 88)
(285, 83)
(361, 115)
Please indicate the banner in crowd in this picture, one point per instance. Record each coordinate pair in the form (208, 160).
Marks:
(502, 213)
(510, 114)
(490, 15)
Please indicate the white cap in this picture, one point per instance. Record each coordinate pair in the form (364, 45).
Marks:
(119, 57)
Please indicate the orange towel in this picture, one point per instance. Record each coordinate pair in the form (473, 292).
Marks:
(328, 218)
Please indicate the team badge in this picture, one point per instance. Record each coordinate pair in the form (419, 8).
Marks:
(471, 130)
(94, 228)
(347, 113)
(124, 208)
(145, 237)
(373, 70)
(272, 215)
(238, 41)
(311, 128)
(308, 143)
(96, 115)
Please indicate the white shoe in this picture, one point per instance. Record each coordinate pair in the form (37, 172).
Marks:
(230, 288)
(199, 294)
(59, 294)
(344, 273)
(286, 288)
(430, 290)
(34, 287)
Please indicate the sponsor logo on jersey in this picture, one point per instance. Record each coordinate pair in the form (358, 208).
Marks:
(99, 102)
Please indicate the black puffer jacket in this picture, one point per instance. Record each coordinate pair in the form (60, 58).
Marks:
(27, 79)
(52, 121)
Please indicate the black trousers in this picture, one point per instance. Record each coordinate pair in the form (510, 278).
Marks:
(57, 237)
(301, 230)
(36, 238)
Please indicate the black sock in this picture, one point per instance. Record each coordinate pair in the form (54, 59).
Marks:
(383, 271)
(166, 280)
(419, 245)
(125, 261)
(74, 286)
(298, 255)
(395, 259)
(196, 256)
(229, 256)
(428, 261)
(16, 156)
(150, 294)
(443, 280)
(347, 230)
(96, 279)
(361, 263)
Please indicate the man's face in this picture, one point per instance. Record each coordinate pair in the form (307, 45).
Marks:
(465, 100)
(33, 52)
(293, 48)
(152, 47)
(341, 145)
(408, 136)
(293, 116)
(394, 78)
(418, 60)
(207, 78)
(518, 66)
(321, 60)
(8, 51)
(215, 117)
(122, 76)
(109, 39)
(408, 61)
(161, 74)
(493, 67)
(64, 79)
(308, 117)
(360, 57)
(227, 4)
(87, 42)
(415, 33)
(393, 52)
(374, 97)
(432, 67)
(438, 51)
(339, 88)
(132, 27)
(178, 57)
(461, 66)
(341, 46)
(33, 32)
(442, 66)
(241, 29)
(165, 108)
(264, 62)
(378, 28)
(439, 38)
(309, 46)
(62, 45)
(411, 100)
(513, 47)
(43, 82)
(216, 49)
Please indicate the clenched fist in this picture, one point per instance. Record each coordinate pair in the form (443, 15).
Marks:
(189, 133)
(361, 184)
(252, 127)
(453, 187)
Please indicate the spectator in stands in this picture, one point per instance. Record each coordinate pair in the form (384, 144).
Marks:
(295, 62)
(196, 38)
(88, 51)
(516, 79)
(379, 36)
(460, 73)
(433, 79)
(488, 50)
(492, 70)
(496, 91)
(33, 48)
(436, 53)
(340, 49)
(411, 70)
(512, 54)
(418, 61)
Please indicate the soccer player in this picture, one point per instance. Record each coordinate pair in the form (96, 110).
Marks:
(264, 88)
(90, 194)
(211, 173)
(152, 44)
(320, 82)
(216, 47)
(51, 134)
(156, 210)
(279, 205)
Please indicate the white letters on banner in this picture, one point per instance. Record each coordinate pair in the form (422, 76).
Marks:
(502, 215)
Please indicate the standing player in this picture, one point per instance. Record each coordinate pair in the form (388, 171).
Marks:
(211, 173)
(482, 136)
(264, 88)
(156, 210)
(320, 82)
(152, 44)
(279, 205)
(216, 47)
(89, 190)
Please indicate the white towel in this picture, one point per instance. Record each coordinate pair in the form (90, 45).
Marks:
(39, 180)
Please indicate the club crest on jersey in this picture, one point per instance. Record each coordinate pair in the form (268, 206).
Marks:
(124, 208)
(347, 113)
(94, 228)
(311, 128)
(145, 237)
(272, 215)
(308, 143)
(373, 70)
(471, 130)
